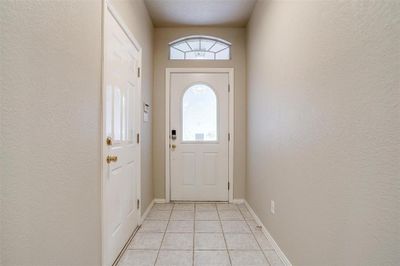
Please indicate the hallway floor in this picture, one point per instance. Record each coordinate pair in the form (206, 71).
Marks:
(204, 234)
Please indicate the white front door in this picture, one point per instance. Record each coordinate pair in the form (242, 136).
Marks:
(121, 112)
(199, 117)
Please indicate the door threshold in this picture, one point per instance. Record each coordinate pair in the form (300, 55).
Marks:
(199, 201)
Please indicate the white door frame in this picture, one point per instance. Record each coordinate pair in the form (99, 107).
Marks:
(168, 72)
(107, 7)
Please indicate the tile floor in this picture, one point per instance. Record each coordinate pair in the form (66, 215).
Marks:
(199, 234)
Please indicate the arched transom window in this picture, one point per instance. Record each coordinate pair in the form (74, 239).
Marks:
(200, 48)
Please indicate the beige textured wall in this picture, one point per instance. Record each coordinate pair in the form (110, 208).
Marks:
(324, 129)
(135, 16)
(162, 37)
(50, 132)
(51, 125)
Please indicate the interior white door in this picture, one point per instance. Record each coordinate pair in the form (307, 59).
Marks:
(199, 117)
(121, 116)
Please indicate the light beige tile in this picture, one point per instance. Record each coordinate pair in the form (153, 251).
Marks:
(146, 241)
(184, 207)
(254, 227)
(227, 206)
(158, 215)
(180, 226)
(262, 240)
(235, 227)
(163, 206)
(247, 258)
(178, 241)
(182, 215)
(153, 226)
(138, 258)
(208, 227)
(211, 258)
(227, 215)
(273, 258)
(247, 215)
(209, 241)
(242, 207)
(241, 242)
(206, 207)
(175, 258)
(207, 215)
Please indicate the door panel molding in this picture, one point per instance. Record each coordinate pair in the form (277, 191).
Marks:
(231, 101)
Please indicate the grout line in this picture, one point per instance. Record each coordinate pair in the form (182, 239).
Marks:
(162, 240)
(262, 251)
(223, 235)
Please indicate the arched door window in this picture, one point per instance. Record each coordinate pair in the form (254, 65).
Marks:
(199, 114)
(200, 48)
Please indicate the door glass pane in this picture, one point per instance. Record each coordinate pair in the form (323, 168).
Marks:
(176, 54)
(194, 44)
(124, 118)
(109, 112)
(206, 44)
(218, 47)
(199, 114)
(222, 55)
(182, 46)
(131, 111)
(200, 55)
(117, 114)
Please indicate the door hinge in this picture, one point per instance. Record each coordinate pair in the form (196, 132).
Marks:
(137, 204)
(229, 185)
(229, 136)
(137, 138)
(138, 72)
(229, 87)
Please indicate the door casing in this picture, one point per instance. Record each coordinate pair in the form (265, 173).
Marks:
(168, 72)
(107, 7)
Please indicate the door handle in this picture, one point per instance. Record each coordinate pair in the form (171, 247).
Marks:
(111, 158)
(173, 146)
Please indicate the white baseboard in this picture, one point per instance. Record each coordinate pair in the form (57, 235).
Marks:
(238, 201)
(280, 253)
(143, 217)
(159, 201)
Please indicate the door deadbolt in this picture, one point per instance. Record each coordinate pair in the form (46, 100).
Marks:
(173, 134)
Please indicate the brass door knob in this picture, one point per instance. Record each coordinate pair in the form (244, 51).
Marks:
(173, 146)
(111, 158)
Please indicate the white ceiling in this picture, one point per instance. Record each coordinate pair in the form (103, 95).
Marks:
(174, 13)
